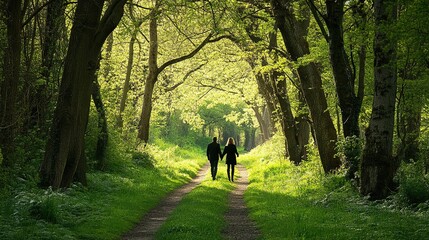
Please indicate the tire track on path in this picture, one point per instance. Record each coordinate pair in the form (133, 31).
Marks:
(239, 225)
(153, 220)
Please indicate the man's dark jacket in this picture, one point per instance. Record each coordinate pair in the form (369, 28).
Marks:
(213, 151)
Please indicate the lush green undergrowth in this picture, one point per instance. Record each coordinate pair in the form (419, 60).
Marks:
(112, 203)
(200, 213)
(301, 202)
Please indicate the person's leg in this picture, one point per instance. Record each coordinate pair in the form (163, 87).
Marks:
(212, 168)
(227, 170)
(215, 170)
(232, 172)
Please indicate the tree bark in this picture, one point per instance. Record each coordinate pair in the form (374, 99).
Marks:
(378, 165)
(294, 36)
(64, 149)
(9, 85)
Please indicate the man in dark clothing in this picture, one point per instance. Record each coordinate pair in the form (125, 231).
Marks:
(213, 154)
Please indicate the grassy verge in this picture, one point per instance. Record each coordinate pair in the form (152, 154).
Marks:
(200, 213)
(111, 204)
(290, 202)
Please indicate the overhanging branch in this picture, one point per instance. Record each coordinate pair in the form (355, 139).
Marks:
(168, 89)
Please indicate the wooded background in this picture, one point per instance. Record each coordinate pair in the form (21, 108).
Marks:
(348, 77)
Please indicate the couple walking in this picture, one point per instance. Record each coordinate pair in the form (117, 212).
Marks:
(214, 152)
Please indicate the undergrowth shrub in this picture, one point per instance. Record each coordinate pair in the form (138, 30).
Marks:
(349, 150)
(270, 150)
(414, 183)
(333, 182)
(39, 205)
(45, 208)
(143, 159)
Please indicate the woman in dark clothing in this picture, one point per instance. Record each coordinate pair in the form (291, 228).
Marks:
(231, 151)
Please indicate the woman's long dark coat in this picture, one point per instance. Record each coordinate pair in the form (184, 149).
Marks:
(231, 153)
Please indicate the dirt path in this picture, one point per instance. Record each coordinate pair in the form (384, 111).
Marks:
(153, 220)
(239, 224)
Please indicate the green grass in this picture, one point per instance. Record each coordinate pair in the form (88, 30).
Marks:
(113, 202)
(200, 213)
(290, 202)
(286, 201)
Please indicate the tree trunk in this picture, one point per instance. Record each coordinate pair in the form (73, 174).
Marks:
(126, 88)
(378, 166)
(144, 123)
(28, 101)
(294, 33)
(52, 34)
(109, 48)
(410, 147)
(249, 135)
(9, 86)
(409, 113)
(265, 86)
(65, 146)
(343, 76)
(262, 124)
(303, 127)
(152, 77)
(286, 116)
(267, 93)
(288, 121)
(408, 125)
(269, 111)
(103, 135)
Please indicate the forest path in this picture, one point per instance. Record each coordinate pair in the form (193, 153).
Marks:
(239, 226)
